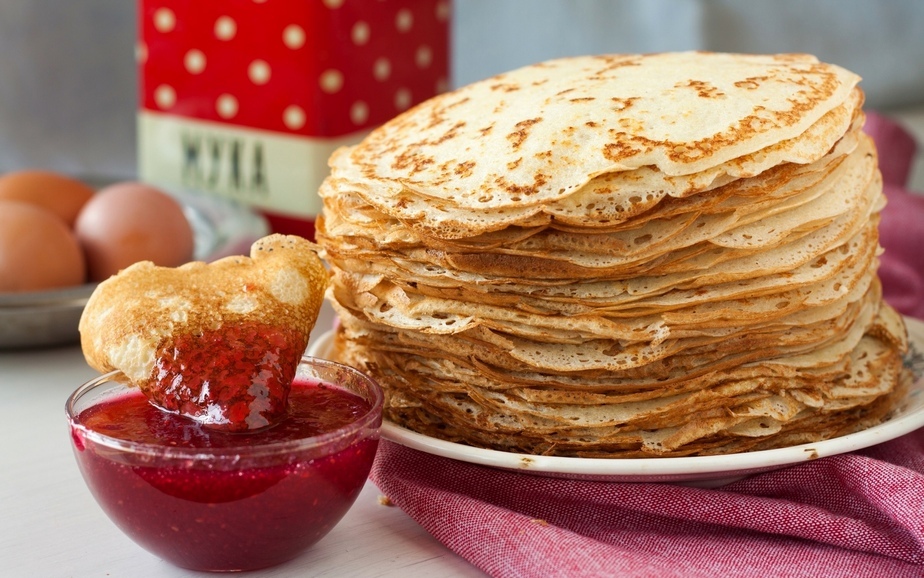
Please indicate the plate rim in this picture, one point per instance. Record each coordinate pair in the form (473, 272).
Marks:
(686, 468)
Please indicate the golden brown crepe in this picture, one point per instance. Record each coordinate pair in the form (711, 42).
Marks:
(624, 255)
(129, 316)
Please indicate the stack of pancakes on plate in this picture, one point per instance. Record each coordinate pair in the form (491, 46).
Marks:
(620, 256)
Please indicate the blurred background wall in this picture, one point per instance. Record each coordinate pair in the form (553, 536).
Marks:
(882, 40)
(67, 69)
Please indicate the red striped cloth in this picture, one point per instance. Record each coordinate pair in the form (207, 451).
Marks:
(853, 515)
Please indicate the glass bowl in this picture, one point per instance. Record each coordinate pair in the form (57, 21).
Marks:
(242, 504)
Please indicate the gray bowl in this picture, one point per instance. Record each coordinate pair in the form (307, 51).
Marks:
(41, 318)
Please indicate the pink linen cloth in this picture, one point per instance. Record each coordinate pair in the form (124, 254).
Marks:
(901, 230)
(853, 515)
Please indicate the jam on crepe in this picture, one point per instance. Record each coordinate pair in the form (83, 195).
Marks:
(235, 378)
(216, 342)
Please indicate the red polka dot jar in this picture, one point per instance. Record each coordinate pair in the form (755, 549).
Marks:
(247, 99)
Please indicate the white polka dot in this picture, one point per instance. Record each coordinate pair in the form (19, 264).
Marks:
(294, 117)
(259, 72)
(331, 80)
(194, 61)
(164, 96)
(293, 36)
(225, 28)
(141, 52)
(360, 33)
(442, 11)
(424, 56)
(164, 20)
(402, 99)
(359, 112)
(381, 69)
(226, 106)
(404, 20)
(333, 4)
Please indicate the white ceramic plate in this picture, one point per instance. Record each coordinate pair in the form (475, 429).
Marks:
(46, 318)
(706, 471)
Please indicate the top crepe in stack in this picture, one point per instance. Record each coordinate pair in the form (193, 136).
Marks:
(622, 256)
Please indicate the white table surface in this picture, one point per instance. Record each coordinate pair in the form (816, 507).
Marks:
(50, 525)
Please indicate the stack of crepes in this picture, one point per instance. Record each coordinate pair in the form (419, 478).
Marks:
(621, 256)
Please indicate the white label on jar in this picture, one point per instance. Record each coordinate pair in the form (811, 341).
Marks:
(267, 170)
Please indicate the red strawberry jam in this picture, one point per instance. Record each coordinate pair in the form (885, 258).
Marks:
(216, 500)
(235, 378)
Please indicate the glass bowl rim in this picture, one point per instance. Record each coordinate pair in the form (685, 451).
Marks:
(352, 430)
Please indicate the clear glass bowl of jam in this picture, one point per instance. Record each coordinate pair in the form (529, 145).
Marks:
(221, 501)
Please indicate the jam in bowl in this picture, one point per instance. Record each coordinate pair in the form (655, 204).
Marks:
(223, 501)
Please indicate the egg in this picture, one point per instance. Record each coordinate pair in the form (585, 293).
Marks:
(60, 194)
(129, 222)
(37, 250)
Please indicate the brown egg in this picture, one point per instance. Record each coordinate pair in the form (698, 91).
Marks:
(57, 193)
(129, 222)
(37, 250)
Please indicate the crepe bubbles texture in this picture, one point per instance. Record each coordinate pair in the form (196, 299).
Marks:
(847, 515)
(621, 256)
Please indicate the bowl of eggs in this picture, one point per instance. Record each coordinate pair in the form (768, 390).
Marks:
(60, 236)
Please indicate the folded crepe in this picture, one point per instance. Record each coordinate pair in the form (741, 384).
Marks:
(216, 342)
(621, 256)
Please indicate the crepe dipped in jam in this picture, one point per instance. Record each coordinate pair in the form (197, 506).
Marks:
(621, 256)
